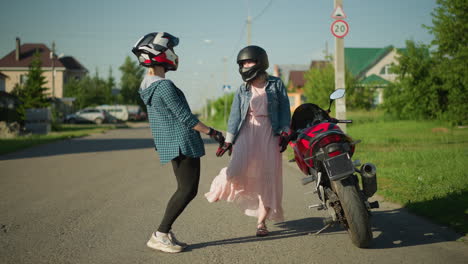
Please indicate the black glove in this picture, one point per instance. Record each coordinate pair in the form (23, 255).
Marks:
(293, 136)
(222, 149)
(283, 141)
(216, 135)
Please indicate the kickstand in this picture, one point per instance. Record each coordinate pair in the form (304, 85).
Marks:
(320, 231)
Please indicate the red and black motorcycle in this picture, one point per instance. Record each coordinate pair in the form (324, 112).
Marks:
(323, 152)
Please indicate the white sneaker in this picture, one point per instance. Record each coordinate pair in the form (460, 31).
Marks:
(173, 238)
(163, 243)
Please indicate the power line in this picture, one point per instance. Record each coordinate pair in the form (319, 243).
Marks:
(263, 11)
(245, 25)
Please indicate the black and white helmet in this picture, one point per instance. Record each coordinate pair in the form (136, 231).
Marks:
(256, 54)
(157, 48)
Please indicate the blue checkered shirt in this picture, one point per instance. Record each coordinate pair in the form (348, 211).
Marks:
(171, 121)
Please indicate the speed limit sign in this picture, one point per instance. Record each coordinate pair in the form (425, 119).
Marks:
(339, 28)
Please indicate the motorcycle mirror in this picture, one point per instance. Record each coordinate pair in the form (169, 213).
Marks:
(338, 93)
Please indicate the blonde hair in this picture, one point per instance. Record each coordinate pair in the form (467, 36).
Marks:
(151, 70)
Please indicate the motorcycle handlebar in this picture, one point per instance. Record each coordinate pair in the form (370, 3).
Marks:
(336, 121)
(345, 121)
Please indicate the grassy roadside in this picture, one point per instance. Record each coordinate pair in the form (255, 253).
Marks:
(421, 165)
(63, 132)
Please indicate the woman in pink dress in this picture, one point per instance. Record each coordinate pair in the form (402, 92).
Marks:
(257, 135)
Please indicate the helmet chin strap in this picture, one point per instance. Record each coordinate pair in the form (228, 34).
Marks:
(249, 78)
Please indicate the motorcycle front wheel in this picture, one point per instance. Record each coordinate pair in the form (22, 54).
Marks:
(355, 212)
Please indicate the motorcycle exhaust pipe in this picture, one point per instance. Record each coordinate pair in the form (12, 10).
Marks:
(369, 179)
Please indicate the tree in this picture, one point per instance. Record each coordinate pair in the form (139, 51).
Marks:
(89, 91)
(219, 106)
(414, 94)
(110, 84)
(97, 92)
(450, 24)
(132, 75)
(33, 93)
(320, 83)
(71, 88)
(434, 85)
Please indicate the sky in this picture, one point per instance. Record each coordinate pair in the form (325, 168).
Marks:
(101, 33)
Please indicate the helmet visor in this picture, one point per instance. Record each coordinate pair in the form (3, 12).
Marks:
(173, 41)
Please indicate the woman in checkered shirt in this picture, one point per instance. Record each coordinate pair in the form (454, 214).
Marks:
(176, 131)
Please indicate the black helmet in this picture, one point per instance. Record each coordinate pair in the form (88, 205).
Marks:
(256, 54)
(157, 49)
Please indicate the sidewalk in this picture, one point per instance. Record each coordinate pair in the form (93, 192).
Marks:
(137, 124)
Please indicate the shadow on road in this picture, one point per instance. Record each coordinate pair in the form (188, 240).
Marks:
(392, 229)
(85, 145)
(397, 228)
(291, 228)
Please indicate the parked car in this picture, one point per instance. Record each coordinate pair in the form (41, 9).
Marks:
(141, 116)
(135, 113)
(86, 115)
(119, 112)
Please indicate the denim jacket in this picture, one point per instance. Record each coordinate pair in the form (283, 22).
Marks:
(278, 108)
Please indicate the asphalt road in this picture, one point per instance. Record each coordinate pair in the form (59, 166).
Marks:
(97, 199)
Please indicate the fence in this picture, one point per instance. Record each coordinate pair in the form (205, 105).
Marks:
(38, 120)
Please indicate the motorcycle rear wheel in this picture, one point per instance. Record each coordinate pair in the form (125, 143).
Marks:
(357, 217)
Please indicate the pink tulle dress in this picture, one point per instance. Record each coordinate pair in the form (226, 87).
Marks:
(254, 173)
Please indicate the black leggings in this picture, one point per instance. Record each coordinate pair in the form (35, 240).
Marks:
(187, 172)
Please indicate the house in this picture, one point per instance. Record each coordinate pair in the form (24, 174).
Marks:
(293, 77)
(15, 66)
(3, 78)
(294, 87)
(371, 66)
(284, 72)
(296, 80)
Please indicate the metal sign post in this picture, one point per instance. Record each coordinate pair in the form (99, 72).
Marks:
(339, 29)
(226, 90)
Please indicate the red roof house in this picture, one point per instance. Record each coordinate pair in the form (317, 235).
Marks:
(15, 66)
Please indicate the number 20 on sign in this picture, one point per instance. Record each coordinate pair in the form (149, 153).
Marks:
(339, 28)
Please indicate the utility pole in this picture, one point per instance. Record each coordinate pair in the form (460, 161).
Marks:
(52, 56)
(249, 30)
(225, 92)
(327, 56)
(340, 74)
(207, 114)
(249, 25)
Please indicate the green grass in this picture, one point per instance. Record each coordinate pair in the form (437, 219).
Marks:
(218, 124)
(421, 165)
(63, 132)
